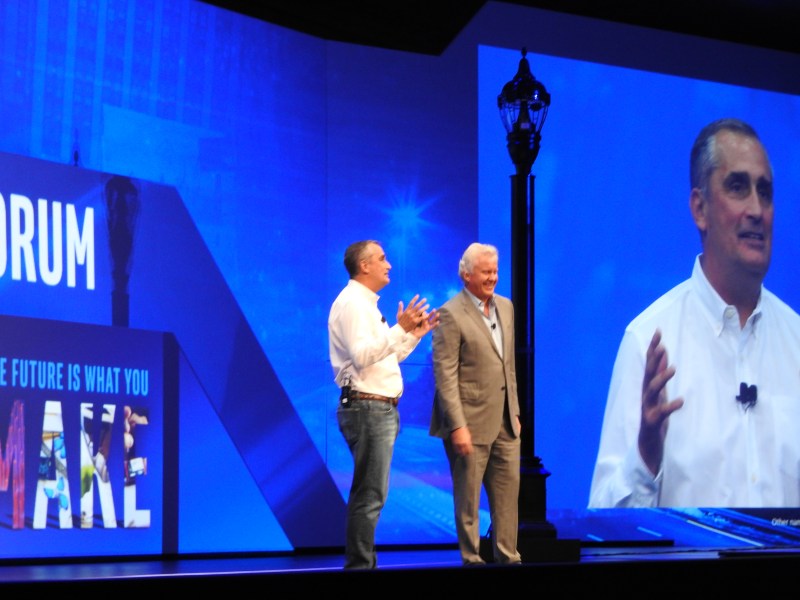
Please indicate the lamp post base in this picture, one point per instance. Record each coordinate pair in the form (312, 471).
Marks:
(535, 549)
(538, 539)
(533, 496)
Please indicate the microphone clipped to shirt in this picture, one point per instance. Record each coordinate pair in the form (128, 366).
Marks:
(748, 395)
(494, 326)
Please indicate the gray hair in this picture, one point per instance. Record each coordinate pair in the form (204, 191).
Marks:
(471, 254)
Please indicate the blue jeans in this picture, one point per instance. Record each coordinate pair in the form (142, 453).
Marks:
(370, 428)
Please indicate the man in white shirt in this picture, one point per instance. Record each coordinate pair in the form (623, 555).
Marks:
(720, 425)
(366, 353)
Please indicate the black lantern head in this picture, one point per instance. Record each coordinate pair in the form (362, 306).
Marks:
(523, 105)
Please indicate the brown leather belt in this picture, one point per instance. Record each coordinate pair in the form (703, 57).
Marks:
(354, 395)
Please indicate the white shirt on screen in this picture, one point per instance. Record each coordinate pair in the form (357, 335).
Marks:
(717, 453)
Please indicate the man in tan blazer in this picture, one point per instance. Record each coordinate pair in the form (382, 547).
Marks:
(476, 409)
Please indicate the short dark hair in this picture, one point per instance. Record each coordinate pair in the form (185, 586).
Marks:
(354, 254)
(704, 158)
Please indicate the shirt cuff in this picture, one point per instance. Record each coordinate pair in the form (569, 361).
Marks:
(643, 486)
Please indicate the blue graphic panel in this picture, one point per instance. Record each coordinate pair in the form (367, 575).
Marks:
(131, 255)
(83, 425)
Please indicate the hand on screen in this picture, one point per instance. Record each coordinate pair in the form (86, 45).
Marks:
(655, 407)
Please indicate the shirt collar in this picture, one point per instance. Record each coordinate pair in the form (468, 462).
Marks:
(361, 289)
(479, 303)
(719, 311)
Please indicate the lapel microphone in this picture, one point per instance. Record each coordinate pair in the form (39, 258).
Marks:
(748, 395)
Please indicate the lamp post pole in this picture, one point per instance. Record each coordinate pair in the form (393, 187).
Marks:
(122, 208)
(523, 105)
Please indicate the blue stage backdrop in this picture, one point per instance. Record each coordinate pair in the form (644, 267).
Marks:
(220, 165)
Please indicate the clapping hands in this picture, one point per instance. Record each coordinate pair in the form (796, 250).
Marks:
(417, 317)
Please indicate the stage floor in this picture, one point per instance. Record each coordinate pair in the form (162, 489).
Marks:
(717, 550)
(405, 570)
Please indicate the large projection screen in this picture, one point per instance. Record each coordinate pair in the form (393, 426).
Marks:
(612, 225)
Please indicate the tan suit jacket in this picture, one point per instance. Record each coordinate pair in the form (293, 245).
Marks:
(472, 380)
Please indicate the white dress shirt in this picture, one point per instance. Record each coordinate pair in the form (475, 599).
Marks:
(717, 452)
(363, 346)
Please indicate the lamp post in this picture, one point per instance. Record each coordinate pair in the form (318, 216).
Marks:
(523, 105)
(122, 208)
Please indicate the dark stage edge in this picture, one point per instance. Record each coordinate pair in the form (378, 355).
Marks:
(623, 570)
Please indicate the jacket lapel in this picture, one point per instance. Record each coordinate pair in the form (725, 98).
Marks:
(477, 319)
